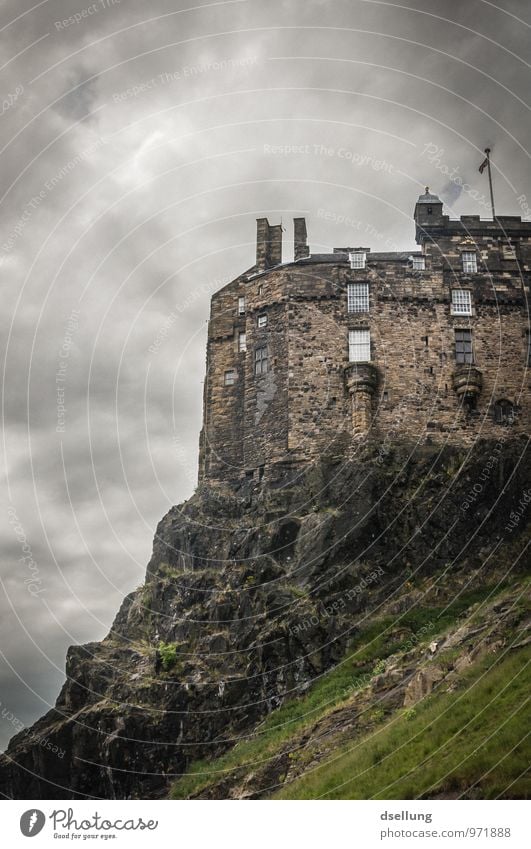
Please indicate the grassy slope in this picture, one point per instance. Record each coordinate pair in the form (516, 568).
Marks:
(334, 689)
(473, 740)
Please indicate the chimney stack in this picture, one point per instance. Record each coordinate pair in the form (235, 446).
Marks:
(268, 244)
(300, 247)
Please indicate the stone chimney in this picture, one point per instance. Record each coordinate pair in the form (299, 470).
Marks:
(268, 244)
(300, 247)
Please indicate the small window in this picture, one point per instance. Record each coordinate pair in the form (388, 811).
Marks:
(358, 297)
(419, 263)
(461, 302)
(260, 290)
(508, 251)
(504, 412)
(463, 346)
(260, 360)
(470, 262)
(241, 306)
(528, 347)
(230, 377)
(430, 210)
(359, 346)
(357, 259)
(262, 321)
(242, 341)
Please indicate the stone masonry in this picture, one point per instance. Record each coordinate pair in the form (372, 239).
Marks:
(439, 345)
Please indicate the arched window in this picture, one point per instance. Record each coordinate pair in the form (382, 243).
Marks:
(503, 412)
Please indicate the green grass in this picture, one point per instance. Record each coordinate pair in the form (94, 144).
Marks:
(472, 738)
(366, 658)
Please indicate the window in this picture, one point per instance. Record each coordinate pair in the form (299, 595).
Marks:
(419, 263)
(262, 321)
(230, 377)
(504, 412)
(463, 346)
(357, 259)
(470, 262)
(358, 297)
(461, 302)
(241, 306)
(242, 341)
(260, 360)
(359, 346)
(508, 251)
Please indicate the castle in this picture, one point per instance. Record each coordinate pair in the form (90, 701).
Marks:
(305, 358)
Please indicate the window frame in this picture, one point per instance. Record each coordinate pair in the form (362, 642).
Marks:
(466, 355)
(242, 341)
(461, 298)
(358, 266)
(362, 346)
(504, 412)
(261, 321)
(241, 304)
(418, 259)
(357, 303)
(226, 380)
(261, 362)
(469, 262)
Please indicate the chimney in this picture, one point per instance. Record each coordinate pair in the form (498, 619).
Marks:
(300, 247)
(268, 244)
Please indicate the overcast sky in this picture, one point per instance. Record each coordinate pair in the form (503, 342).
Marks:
(139, 143)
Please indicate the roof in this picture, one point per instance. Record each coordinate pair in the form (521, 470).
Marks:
(428, 198)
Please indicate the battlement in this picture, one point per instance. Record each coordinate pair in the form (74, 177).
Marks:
(308, 357)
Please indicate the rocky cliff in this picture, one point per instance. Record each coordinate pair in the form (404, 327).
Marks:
(254, 594)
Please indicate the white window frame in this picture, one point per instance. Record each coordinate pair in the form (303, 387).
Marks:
(357, 259)
(461, 302)
(261, 321)
(242, 341)
(418, 263)
(230, 377)
(469, 260)
(241, 305)
(357, 297)
(359, 345)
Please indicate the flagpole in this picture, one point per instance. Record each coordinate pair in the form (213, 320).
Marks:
(487, 151)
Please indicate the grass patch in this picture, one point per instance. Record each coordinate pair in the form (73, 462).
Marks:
(366, 656)
(449, 743)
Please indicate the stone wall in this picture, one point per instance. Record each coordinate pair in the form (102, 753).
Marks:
(312, 402)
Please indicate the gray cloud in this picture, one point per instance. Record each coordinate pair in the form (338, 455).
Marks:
(135, 162)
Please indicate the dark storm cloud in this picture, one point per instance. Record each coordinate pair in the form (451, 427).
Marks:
(145, 141)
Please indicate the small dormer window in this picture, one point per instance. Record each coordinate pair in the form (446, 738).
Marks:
(419, 263)
(461, 302)
(470, 262)
(241, 306)
(357, 259)
(262, 321)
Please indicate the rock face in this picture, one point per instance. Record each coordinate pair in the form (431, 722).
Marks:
(253, 592)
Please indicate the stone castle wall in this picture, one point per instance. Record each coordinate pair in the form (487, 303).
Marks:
(312, 401)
